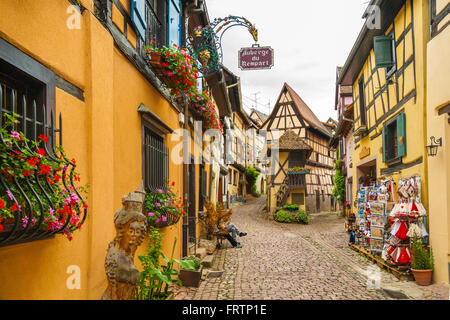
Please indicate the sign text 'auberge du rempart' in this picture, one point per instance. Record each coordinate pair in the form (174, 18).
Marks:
(255, 58)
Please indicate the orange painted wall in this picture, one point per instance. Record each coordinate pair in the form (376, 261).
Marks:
(103, 133)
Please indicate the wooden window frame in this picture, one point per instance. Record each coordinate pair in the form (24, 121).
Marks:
(362, 102)
(392, 160)
(393, 69)
(33, 71)
(151, 122)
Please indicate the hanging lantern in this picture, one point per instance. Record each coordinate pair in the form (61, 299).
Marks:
(433, 147)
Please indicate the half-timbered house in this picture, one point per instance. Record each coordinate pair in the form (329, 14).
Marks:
(292, 114)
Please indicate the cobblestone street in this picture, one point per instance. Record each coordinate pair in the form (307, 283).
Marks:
(294, 262)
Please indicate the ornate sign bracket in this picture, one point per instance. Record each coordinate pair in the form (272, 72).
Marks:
(205, 43)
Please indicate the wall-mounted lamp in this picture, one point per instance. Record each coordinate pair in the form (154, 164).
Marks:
(433, 147)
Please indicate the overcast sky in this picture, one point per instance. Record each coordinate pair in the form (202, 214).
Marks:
(309, 38)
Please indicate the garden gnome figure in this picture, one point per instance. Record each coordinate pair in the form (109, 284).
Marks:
(131, 228)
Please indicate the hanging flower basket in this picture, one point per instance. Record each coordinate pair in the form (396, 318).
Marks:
(175, 67)
(162, 207)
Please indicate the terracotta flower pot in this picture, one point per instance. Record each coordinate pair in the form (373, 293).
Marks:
(190, 278)
(423, 277)
(154, 57)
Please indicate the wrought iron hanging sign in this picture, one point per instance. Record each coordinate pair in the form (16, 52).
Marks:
(205, 43)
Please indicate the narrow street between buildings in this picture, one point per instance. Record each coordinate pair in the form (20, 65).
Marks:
(296, 262)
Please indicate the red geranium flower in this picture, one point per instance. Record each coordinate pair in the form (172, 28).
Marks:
(43, 137)
(2, 204)
(44, 169)
(41, 152)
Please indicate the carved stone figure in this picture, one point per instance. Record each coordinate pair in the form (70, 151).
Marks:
(131, 229)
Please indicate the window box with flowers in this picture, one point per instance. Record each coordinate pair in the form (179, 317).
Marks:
(38, 198)
(174, 66)
(177, 70)
(163, 207)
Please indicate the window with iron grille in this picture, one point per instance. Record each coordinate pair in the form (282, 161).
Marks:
(25, 97)
(298, 198)
(27, 90)
(156, 17)
(156, 161)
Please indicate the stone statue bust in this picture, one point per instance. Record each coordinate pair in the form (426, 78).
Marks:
(131, 229)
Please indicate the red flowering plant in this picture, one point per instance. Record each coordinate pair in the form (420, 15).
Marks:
(179, 69)
(177, 66)
(36, 185)
(204, 105)
(163, 207)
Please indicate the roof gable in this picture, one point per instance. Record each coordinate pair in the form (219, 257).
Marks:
(301, 107)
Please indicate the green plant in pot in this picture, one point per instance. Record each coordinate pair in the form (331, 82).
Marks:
(422, 262)
(191, 277)
(156, 277)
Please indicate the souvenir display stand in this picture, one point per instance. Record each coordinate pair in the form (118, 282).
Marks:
(407, 220)
(385, 226)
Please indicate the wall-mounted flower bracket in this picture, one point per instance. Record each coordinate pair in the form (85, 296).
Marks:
(205, 43)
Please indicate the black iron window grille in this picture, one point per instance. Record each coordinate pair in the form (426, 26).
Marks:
(30, 201)
(156, 161)
(156, 13)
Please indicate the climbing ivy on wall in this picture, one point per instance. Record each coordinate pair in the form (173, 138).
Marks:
(339, 182)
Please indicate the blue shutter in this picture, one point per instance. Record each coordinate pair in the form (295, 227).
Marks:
(174, 22)
(138, 17)
(401, 132)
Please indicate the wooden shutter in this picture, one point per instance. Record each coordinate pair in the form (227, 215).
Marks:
(384, 133)
(138, 17)
(174, 22)
(401, 135)
(382, 46)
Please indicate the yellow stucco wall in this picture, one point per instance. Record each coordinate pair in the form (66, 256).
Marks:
(103, 133)
(412, 59)
(438, 95)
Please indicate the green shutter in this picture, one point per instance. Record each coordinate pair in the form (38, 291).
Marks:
(384, 144)
(401, 132)
(382, 46)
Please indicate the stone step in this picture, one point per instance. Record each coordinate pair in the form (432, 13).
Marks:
(208, 261)
(201, 253)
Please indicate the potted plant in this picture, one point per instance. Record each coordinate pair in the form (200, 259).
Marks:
(191, 277)
(422, 262)
(162, 207)
(156, 277)
(175, 66)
